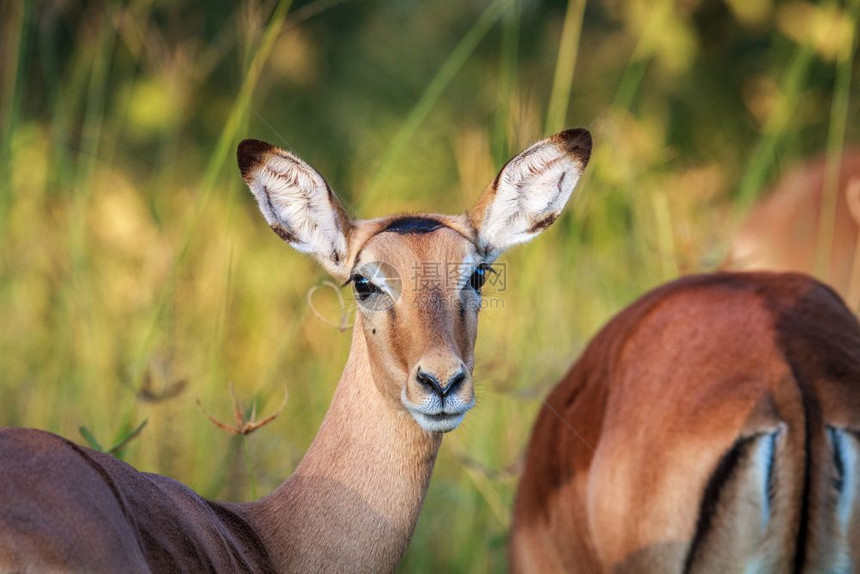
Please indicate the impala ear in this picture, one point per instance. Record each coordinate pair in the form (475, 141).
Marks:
(297, 203)
(530, 191)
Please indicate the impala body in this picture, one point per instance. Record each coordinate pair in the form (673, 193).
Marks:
(352, 503)
(69, 508)
(712, 426)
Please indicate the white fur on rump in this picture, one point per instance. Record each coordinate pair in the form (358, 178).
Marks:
(294, 198)
(531, 190)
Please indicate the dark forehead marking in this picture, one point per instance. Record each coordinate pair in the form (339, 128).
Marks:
(413, 225)
(429, 220)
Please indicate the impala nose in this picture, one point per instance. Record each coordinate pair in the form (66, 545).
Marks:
(431, 382)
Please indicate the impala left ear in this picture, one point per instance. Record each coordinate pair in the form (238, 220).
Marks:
(530, 191)
(297, 203)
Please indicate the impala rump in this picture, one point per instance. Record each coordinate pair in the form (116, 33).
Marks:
(716, 431)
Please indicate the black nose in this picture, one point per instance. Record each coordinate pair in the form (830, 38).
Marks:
(455, 382)
(430, 381)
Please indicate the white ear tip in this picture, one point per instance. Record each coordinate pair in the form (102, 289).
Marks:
(576, 142)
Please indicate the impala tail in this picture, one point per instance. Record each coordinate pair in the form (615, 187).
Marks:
(710, 427)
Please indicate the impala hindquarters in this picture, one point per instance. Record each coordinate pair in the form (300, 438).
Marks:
(710, 427)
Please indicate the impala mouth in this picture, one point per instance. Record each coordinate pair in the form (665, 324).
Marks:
(438, 417)
(440, 422)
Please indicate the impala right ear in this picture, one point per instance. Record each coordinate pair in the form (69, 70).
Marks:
(530, 191)
(297, 203)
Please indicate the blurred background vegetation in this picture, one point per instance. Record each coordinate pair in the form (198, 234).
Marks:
(137, 276)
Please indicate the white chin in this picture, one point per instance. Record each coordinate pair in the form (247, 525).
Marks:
(438, 423)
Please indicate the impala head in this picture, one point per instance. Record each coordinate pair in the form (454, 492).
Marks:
(417, 279)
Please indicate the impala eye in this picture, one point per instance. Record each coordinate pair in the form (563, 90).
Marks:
(479, 277)
(363, 287)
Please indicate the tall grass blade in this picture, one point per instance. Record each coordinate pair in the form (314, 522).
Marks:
(229, 134)
(91, 440)
(225, 144)
(835, 145)
(565, 65)
(16, 29)
(774, 133)
(431, 95)
(502, 138)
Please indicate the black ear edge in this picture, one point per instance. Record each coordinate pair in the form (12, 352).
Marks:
(250, 154)
(576, 142)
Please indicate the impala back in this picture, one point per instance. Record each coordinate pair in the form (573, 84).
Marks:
(71, 509)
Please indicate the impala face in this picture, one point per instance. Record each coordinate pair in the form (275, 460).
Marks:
(417, 279)
(419, 313)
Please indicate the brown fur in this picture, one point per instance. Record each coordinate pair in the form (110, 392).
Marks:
(644, 457)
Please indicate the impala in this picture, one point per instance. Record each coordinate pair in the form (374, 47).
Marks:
(784, 232)
(352, 503)
(712, 426)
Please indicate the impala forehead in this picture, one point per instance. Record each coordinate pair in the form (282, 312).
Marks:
(411, 254)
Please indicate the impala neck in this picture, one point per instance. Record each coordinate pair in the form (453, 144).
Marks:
(353, 502)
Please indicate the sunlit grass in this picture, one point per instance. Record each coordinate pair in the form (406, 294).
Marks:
(836, 142)
(431, 95)
(136, 275)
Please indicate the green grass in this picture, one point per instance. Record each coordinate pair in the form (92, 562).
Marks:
(137, 277)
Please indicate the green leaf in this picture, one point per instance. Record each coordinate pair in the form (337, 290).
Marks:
(115, 449)
(91, 440)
